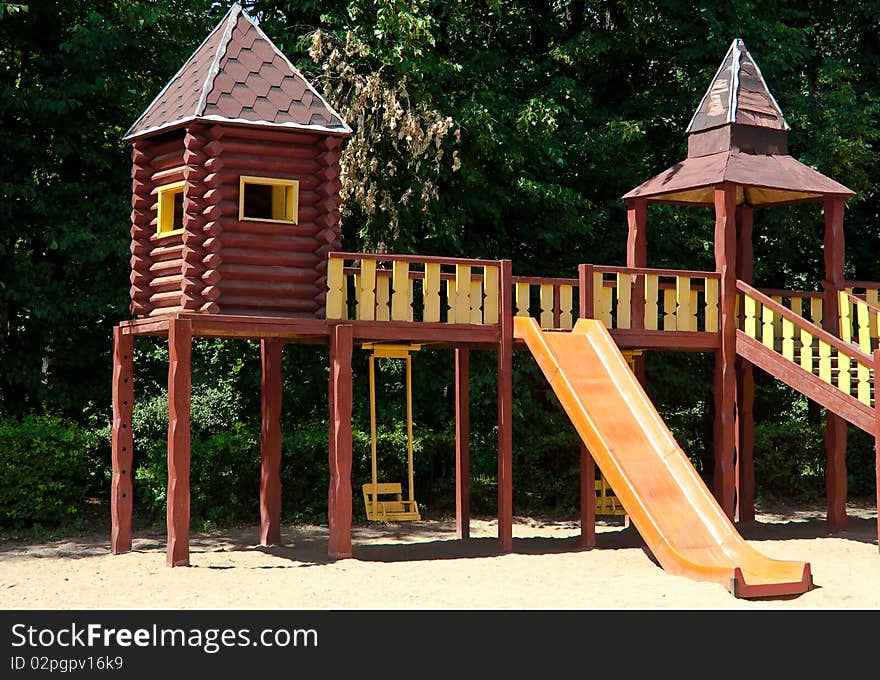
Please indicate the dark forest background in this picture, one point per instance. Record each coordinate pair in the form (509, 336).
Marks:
(485, 129)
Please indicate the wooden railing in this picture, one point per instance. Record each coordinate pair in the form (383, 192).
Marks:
(832, 359)
(805, 303)
(859, 321)
(376, 287)
(553, 302)
(653, 299)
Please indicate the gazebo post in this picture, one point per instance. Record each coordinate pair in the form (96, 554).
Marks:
(270, 442)
(637, 256)
(835, 426)
(462, 443)
(725, 357)
(745, 381)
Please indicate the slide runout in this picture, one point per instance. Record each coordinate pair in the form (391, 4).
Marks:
(666, 499)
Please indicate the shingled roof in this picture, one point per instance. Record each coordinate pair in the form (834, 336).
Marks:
(238, 75)
(737, 94)
(738, 135)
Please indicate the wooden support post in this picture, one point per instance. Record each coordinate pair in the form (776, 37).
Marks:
(835, 426)
(588, 465)
(725, 357)
(270, 443)
(505, 410)
(588, 498)
(122, 442)
(179, 399)
(462, 443)
(745, 381)
(340, 445)
(877, 448)
(637, 256)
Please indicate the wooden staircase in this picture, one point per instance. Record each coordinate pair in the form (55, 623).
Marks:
(833, 373)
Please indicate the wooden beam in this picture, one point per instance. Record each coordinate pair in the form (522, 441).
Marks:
(725, 357)
(122, 442)
(835, 428)
(681, 341)
(505, 410)
(877, 452)
(339, 496)
(179, 402)
(270, 442)
(745, 380)
(637, 256)
(462, 444)
(588, 498)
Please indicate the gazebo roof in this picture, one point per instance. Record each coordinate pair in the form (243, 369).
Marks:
(237, 75)
(738, 134)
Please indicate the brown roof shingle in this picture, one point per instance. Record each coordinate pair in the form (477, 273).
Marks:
(237, 74)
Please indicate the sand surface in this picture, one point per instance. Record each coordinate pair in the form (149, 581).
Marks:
(420, 566)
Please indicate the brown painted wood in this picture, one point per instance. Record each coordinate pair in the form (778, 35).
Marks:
(588, 497)
(847, 407)
(725, 357)
(835, 429)
(270, 443)
(122, 442)
(179, 394)
(637, 256)
(505, 410)
(462, 443)
(585, 291)
(416, 258)
(877, 452)
(684, 341)
(341, 390)
(693, 273)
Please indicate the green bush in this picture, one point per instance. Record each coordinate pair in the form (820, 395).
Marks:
(47, 469)
(790, 460)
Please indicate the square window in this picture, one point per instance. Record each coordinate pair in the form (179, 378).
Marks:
(268, 199)
(170, 218)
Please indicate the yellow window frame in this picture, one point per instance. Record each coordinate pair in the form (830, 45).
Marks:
(285, 199)
(165, 217)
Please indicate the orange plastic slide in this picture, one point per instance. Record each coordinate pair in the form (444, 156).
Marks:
(660, 490)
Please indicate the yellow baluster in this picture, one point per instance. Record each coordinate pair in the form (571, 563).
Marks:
(863, 374)
(652, 289)
(864, 321)
(335, 288)
(816, 310)
(751, 312)
(522, 298)
(777, 319)
(824, 361)
(476, 302)
(845, 316)
(490, 287)
(367, 301)
(788, 339)
(806, 351)
(624, 301)
(383, 296)
(767, 327)
(546, 298)
(871, 296)
(463, 293)
(602, 297)
(669, 316)
(431, 293)
(566, 307)
(400, 297)
(712, 305)
(683, 298)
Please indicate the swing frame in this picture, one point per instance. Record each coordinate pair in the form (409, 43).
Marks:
(384, 501)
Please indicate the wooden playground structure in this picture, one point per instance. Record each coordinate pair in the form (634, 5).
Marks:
(236, 234)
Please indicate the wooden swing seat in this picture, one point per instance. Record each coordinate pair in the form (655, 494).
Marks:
(395, 509)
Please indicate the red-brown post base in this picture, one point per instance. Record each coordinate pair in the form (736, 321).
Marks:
(588, 498)
(462, 444)
(340, 396)
(745, 430)
(270, 443)
(835, 473)
(505, 411)
(179, 394)
(122, 442)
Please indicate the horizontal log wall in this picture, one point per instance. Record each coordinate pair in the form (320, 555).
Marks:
(267, 268)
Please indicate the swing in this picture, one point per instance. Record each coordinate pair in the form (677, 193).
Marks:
(384, 501)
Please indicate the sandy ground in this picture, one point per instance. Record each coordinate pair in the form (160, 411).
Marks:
(420, 566)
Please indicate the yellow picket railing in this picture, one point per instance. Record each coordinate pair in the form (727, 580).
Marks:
(553, 302)
(654, 299)
(832, 359)
(376, 287)
(858, 304)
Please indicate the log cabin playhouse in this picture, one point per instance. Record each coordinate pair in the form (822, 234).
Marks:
(236, 234)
